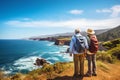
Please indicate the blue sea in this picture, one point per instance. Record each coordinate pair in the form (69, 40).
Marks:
(20, 55)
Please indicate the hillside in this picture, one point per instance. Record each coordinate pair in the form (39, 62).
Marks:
(63, 35)
(110, 34)
(65, 71)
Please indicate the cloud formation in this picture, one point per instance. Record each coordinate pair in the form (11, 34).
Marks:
(83, 23)
(75, 11)
(104, 11)
(114, 11)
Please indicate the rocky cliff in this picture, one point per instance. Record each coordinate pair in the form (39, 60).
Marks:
(63, 41)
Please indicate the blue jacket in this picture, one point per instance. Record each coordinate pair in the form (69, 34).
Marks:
(73, 41)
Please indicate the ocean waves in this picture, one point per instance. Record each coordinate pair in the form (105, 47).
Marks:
(47, 50)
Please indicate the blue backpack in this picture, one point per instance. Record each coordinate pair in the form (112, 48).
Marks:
(79, 44)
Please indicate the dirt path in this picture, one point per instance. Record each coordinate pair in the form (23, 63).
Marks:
(105, 71)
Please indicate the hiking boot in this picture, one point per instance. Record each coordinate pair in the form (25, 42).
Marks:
(75, 75)
(94, 74)
(81, 75)
(88, 75)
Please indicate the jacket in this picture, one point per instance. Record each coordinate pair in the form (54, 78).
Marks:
(73, 41)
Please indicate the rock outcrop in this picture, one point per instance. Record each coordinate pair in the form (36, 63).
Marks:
(40, 62)
(62, 41)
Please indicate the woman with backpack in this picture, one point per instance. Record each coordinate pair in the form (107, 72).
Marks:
(91, 53)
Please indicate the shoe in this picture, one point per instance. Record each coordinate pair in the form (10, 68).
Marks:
(75, 75)
(94, 74)
(88, 75)
(81, 75)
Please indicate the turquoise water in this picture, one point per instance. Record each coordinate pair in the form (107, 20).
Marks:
(20, 55)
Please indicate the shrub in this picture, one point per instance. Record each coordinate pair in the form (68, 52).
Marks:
(103, 66)
(59, 67)
(105, 56)
(1, 75)
(16, 76)
(37, 71)
(115, 52)
(111, 44)
(50, 70)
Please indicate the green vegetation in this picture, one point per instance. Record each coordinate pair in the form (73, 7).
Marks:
(3, 77)
(17, 76)
(112, 53)
(105, 57)
(111, 44)
(103, 66)
(115, 52)
(51, 70)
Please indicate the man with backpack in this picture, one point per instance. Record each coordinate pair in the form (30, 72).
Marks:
(78, 46)
(91, 54)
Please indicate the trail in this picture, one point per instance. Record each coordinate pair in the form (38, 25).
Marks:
(105, 71)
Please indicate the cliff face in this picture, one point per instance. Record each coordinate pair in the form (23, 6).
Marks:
(58, 40)
(62, 41)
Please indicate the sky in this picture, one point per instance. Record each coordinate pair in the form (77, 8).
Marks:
(28, 18)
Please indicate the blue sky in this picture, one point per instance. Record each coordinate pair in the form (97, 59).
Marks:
(27, 18)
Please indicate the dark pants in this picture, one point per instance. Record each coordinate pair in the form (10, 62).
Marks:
(91, 63)
(78, 64)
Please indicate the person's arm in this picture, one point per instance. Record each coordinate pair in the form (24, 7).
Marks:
(86, 45)
(71, 46)
(88, 40)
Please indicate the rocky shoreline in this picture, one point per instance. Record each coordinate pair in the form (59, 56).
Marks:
(56, 40)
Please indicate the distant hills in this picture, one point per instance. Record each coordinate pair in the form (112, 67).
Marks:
(102, 34)
(68, 34)
(110, 34)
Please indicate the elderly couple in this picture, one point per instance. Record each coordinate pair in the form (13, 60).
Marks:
(89, 51)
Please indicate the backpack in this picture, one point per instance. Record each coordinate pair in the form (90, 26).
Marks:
(79, 44)
(93, 47)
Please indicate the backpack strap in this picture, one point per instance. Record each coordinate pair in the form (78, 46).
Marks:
(81, 38)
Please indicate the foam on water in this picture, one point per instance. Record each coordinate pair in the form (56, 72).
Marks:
(53, 58)
(26, 63)
(50, 44)
(50, 52)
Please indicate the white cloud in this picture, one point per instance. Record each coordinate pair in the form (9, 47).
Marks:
(104, 11)
(76, 11)
(83, 23)
(114, 11)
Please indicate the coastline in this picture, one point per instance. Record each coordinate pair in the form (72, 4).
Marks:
(57, 40)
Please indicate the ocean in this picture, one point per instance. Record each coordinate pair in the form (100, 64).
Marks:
(20, 55)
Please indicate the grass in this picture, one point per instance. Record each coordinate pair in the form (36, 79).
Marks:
(111, 44)
(51, 70)
(113, 52)
(105, 56)
(103, 66)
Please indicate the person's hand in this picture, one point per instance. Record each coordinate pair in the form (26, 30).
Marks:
(70, 54)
